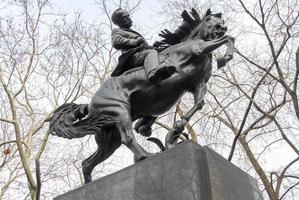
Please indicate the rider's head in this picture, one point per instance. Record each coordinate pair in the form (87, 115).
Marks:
(121, 18)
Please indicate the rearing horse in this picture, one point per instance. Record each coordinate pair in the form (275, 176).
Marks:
(126, 98)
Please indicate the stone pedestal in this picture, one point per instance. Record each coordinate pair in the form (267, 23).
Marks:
(185, 172)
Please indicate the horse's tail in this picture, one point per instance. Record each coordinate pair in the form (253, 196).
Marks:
(75, 120)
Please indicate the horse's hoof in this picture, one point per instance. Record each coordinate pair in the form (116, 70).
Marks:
(179, 126)
(145, 131)
(221, 62)
(87, 178)
(149, 155)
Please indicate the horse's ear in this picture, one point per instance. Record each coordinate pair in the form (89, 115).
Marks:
(185, 15)
(195, 15)
(208, 12)
(219, 15)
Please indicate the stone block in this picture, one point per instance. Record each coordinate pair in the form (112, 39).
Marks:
(185, 172)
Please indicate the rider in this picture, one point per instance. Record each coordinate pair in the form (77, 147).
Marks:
(135, 50)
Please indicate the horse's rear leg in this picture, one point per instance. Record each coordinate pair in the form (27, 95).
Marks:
(128, 138)
(107, 144)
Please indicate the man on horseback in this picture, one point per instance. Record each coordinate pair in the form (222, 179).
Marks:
(135, 50)
(120, 101)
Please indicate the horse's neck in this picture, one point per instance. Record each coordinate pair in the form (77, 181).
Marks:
(177, 47)
(182, 56)
(182, 53)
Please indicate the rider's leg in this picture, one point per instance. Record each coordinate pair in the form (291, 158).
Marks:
(151, 62)
(149, 58)
(154, 71)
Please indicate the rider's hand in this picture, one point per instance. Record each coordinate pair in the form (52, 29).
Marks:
(157, 44)
(141, 47)
(140, 40)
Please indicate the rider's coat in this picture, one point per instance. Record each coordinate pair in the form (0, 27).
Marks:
(121, 40)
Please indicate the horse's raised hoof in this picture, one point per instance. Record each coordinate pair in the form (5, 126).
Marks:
(221, 62)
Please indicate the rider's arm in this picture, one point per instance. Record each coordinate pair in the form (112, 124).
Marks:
(120, 42)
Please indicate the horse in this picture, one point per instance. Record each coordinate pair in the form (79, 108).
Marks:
(123, 99)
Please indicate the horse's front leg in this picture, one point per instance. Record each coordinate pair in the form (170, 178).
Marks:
(228, 54)
(198, 94)
(203, 47)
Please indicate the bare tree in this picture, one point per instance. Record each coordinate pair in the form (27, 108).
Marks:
(255, 98)
(46, 60)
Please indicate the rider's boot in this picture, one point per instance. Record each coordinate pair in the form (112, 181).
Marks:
(161, 73)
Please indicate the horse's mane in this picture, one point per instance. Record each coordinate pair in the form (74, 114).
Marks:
(185, 29)
(189, 23)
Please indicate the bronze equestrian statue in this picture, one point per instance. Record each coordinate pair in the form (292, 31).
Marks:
(131, 96)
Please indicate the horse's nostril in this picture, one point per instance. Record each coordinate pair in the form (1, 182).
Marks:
(218, 26)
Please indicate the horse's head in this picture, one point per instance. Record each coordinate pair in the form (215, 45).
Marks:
(211, 27)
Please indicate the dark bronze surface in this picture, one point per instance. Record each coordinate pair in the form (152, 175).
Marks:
(131, 96)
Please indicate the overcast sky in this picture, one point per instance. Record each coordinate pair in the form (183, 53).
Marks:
(145, 17)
